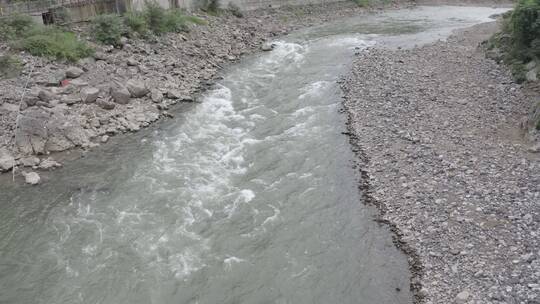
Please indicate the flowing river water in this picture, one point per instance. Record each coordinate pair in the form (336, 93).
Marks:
(247, 197)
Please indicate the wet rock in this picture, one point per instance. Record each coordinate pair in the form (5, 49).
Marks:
(89, 95)
(267, 46)
(31, 178)
(6, 160)
(74, 72)
(104, 138)
(29, 161)
(120, 94)
(137, 88)
(48, 164)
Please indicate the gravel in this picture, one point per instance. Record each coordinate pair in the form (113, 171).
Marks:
(436, 129)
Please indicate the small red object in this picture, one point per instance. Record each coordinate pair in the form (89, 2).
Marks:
(64, 82)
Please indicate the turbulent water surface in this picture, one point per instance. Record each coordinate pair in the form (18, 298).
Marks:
(247, 197)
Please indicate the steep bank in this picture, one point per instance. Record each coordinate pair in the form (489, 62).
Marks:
(93, 104)
(438, 127)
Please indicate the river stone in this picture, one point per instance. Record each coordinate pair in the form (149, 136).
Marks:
(120, 94)
(74, 72)
(46, 95)
(267, 46)
(132, 62)
(156, 95)
(31, 178)
(71, 99)
(174, 94)
(462, 297)
(30, 161)
(49, 163)
(137, 88)
(89, 95)
(532, 75)
(6, 160)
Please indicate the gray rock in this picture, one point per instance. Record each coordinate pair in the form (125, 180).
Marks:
(31, 134)
(6, 160)
(462, 297)
(71, 99)
(105, 104)
(48, 164)
(156, 95)
(531, 65)
(31, 178)
(100, 56)
(132, 62)
(104, 138)
(46, 95)
(30, 161)
(74, 72)
(174, 94)
(137, 88)
(532, 75)
(120, 94)
(267, 46)
(89, 95)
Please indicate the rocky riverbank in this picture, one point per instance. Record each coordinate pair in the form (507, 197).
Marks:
(67, 106)
(443, 156)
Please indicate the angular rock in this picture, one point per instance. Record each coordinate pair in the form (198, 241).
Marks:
(6, 160)
(532, 75)
(74, 72)
(31, 178)
(71, 99)
(89, 95)
(132, 62)
(174, 94)
(267, 46)
(120, 94)
(31, 134)
(46, 96)
(156, 96)
(137, 88)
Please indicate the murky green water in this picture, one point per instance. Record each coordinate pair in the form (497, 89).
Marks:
(248, 197)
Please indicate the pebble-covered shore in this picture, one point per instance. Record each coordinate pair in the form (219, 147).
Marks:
(437, 131)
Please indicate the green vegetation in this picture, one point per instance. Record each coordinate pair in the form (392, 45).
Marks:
(108, 29)
(9, 66)
(362, 3)
(39, 40)
(519, 41)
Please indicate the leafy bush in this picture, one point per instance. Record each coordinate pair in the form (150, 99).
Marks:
(107, 29)
(155, 17)
(9, 66)
(56, 44)
(16, 26)
(136, 23)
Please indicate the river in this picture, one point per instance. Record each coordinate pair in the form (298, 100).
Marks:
(248, 197)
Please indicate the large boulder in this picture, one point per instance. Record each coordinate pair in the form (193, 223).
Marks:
(89, 95)
(74, 72)
(120, 94)
(46, 95)
(137, 88)
(31, 134)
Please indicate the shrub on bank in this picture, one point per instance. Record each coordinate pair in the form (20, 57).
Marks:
(107, 29)
(519, 41)
(48, 41)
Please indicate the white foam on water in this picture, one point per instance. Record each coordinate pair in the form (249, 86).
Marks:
(228, 262)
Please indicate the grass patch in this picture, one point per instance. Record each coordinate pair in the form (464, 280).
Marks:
(47, 41)
(9, 66)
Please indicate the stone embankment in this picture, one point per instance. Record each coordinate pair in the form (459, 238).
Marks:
(437, 129)
(119, 90)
